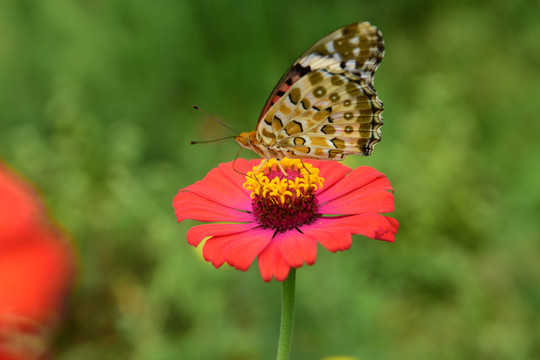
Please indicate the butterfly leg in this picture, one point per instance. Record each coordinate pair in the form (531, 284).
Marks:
(261, 165)
(304, 166)
(282, 169)
(279, 165)
(234, 162)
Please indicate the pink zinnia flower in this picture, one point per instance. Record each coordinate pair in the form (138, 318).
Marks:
(279, 212)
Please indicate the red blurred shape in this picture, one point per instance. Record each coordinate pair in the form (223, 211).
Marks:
(36, 271)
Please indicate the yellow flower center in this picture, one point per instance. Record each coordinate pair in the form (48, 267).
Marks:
(283, 193)
(269, 180)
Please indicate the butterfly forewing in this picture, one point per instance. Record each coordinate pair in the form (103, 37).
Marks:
(325, 106)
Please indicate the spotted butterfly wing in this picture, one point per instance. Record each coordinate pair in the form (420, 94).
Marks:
(325, 107)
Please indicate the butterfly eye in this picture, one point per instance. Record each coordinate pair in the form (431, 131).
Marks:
(243, 139)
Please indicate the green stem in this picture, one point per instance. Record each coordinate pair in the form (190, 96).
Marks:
(287, 316)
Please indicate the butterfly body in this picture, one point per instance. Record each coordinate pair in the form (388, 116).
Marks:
(325, 107)
(249, 141)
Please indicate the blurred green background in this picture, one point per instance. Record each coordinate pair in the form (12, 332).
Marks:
(95, 108)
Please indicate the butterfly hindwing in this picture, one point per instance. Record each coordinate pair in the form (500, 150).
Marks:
(326, 107)
(327, 120)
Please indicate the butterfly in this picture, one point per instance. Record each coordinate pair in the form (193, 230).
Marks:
(325, 106)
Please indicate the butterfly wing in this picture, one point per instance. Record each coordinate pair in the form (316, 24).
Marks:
(326, 107)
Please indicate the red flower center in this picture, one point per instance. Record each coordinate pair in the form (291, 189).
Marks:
(283, 193)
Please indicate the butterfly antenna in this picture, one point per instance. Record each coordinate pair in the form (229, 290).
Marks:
(216, 120)
(211, 141)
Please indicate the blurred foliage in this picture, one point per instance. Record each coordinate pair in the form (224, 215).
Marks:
(95, 108)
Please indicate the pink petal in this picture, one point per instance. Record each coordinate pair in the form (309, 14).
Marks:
(213, 249)
(394, 226)
(191, 206)
(236, 171)
(197, 233)
(374, 226)
(298, 248)
(331, 171)
(360, 203)
(219, 187)
(332, 236)
(271, 262)
(238, 250)
(393, 223)
(240, 254)
(357, 179)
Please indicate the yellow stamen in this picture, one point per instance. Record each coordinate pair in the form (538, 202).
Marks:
(279, 188)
